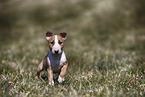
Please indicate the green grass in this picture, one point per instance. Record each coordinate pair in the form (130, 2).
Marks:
(104, 48)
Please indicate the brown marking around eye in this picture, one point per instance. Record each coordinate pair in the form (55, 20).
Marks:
(51, 40)
(61, 40)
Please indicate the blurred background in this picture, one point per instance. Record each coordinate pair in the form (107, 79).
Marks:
(94, 25)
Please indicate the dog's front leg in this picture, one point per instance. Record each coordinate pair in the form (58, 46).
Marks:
(63, 72)
(50, 76)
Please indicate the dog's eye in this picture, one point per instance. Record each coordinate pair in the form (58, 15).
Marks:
(60, 42)
(52, 42)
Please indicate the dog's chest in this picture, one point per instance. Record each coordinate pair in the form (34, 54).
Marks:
(56, 61)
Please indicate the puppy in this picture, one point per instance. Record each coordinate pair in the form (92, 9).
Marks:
(55, 61)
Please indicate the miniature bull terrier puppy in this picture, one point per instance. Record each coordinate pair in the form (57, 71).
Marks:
(55, 61)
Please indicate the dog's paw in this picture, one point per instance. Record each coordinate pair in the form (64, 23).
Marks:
(51, 83)
(60, 80)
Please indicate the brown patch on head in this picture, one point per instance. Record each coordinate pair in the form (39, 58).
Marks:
(60, 41)
(50, 38)
(51, 41)
(61, 37)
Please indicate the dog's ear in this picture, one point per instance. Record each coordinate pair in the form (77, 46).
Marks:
(63, 35)
(49, 35)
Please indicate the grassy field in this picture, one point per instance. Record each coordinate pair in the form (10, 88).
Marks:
(105, 47)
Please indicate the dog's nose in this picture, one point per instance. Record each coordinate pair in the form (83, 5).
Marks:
(56, 51)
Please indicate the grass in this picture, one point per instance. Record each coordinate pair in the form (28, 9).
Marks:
(105, 51)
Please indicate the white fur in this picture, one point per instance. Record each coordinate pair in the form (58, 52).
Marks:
(63, 58)
(51, 83)
(60, 80)
(56, 46)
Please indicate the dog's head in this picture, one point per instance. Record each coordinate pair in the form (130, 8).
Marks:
(56, 42)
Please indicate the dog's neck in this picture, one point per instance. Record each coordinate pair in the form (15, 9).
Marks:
(54, 58)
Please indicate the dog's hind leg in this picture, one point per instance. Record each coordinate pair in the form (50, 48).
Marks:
(40, 68)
